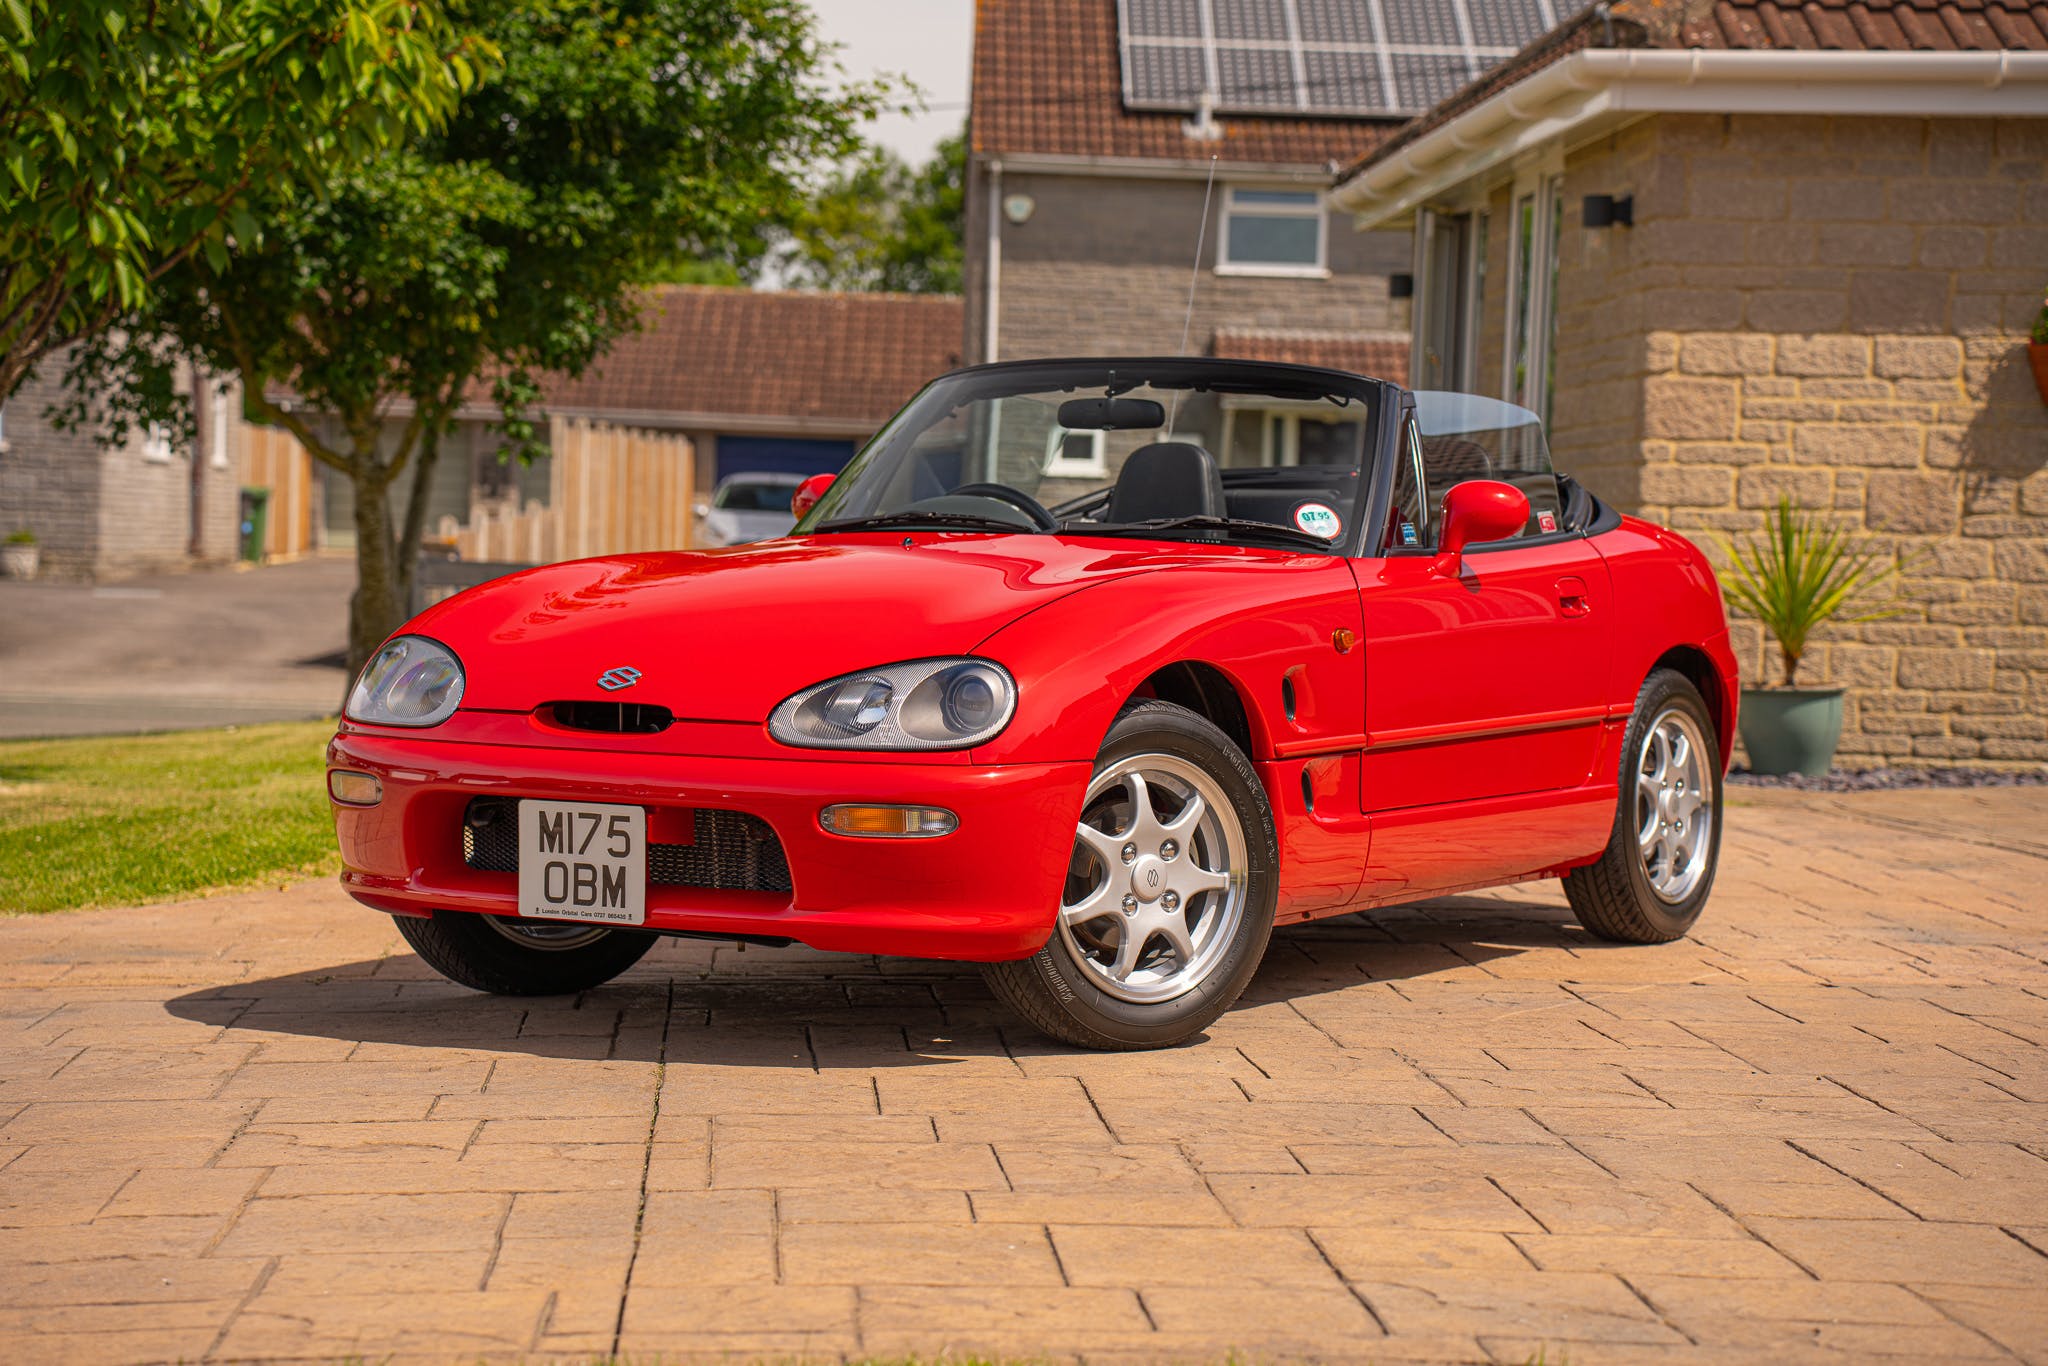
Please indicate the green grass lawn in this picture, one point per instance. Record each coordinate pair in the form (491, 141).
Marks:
(121, 820)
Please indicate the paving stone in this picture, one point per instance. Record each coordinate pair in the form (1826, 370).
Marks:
(1817, 1131)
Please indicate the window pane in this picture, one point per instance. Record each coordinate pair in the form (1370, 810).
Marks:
(1329, 443)
(1258, 240)
(1299, 199)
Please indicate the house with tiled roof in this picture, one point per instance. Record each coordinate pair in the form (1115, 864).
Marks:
(1745, 249)
(747, 381)
(1152, 176)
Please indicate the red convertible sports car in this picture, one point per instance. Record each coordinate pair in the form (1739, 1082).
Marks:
(1091, 671)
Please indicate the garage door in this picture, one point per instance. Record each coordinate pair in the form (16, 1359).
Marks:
(780, 455)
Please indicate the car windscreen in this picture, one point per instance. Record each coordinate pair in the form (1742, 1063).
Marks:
(1175, 449)
(749, 496)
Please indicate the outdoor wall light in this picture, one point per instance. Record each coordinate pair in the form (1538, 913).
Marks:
(1400, 286)
(1017, 207)
(1608, 210)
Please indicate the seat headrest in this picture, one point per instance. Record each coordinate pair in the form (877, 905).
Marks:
(1167, 479)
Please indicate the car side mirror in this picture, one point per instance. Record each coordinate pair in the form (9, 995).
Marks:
(1475, 512)
(808, 493)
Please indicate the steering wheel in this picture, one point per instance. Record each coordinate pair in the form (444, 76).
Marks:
(1003, 493)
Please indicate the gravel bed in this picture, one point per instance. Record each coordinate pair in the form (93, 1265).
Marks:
(1889, 779)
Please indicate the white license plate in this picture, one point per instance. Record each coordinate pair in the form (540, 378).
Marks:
(579, 862)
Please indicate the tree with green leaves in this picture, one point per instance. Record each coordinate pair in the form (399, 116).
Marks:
(618, 137)
(134, 133)
(882, 225)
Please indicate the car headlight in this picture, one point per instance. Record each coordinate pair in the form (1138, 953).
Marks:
(412, 681)
(929, 704)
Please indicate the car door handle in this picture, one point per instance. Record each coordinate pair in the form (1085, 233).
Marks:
(1571, 597)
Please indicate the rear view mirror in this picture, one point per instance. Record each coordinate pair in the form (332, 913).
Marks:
(1112, 415)
(808, 493)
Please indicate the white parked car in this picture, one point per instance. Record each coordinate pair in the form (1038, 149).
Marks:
(748, 507)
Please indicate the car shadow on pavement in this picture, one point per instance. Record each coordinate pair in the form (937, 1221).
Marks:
(814, 1011)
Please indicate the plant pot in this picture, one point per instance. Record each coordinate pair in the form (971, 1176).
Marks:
(2037, 352)
(20, 561)
(1790, 730)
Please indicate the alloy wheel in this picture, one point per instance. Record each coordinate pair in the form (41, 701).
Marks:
(1674, 805)
(1156, 886)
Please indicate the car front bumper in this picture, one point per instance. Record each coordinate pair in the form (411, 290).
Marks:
(986, 892)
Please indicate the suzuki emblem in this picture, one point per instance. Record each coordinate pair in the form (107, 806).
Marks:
(611, 680)
(1152, 877)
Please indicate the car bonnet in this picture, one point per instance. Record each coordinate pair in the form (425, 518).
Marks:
(726, 635)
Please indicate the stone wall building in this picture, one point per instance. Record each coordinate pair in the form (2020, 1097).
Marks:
(147, 505)
(1839, 241)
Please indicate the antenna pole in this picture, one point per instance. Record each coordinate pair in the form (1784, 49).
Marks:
(1195, 275)
(1187, 317)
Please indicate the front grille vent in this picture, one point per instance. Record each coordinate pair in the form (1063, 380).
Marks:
(612, 718)
(733, 852)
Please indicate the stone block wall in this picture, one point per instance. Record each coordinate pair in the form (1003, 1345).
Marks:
(1835, 311)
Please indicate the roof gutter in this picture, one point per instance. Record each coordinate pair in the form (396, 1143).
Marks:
(1605, 84)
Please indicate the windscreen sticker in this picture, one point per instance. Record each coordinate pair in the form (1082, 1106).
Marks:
(1546, 521)
(1319, 519)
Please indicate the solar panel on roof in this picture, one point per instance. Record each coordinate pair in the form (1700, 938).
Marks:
(1163, 18)
(1259, 20)
(1344, 58)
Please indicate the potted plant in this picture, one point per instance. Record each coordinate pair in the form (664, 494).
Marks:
(19, 556)
(1795, 576)
(2037, 350)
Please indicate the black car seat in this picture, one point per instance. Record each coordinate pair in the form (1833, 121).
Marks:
(1167, 479)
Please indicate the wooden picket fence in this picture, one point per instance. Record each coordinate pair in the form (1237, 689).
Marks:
(272, 458)
(611, 490)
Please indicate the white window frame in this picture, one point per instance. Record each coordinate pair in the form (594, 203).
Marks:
(1320, 212)
(1060, 465)
(156, 444)
(1543, 186)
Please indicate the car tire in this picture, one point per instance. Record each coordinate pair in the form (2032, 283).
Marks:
(1651, 882)
(509, 957)
(1210, 873)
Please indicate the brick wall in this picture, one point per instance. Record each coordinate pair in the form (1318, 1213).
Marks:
(1102, 266)
(49, 480)
(108, 512)
(1835, 310)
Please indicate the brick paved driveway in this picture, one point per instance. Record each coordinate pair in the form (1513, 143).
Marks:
(254, 1127)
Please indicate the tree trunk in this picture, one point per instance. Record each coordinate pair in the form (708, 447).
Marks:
(376, 609)
(1791, 666)
(425, 457)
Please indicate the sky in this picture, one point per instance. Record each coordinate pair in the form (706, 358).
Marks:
(930, 41)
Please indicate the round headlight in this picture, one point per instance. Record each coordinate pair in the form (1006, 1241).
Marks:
(928, 704)
(971, 698)
(412, 681)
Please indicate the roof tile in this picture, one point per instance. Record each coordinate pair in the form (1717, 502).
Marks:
(852, 358)
(1047, 80)
(1381, 355)
(1752, 25)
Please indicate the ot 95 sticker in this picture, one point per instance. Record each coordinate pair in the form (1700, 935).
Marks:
(1546, 521)
(1319, 519)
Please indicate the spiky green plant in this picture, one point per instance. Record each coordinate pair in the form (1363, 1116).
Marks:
(1800, 573)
